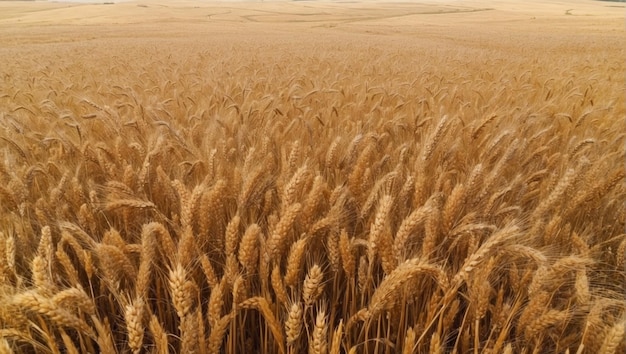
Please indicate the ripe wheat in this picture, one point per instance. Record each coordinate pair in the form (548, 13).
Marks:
(414, 201)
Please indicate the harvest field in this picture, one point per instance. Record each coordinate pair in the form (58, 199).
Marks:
(312, 176)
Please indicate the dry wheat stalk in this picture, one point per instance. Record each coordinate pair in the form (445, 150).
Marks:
(134, 314)
(264, 307)
(293, 323)
(614, 336)
(75, 298)
(376, 230)
(159, 335)
(147, 257)
(248, 248)
(335, 345)
(348, 260)
(209, 271)
(278, 242)
(408, 226)
(473, 261)
(35, 302)
(294, 262)
(216, 303)
(189, 341)
(318, 343)
(313, 285)
(435, 344)
(217, 333)
(179, 289)
(409, 341)
(279, 286)
(104, 340)
(385, 295)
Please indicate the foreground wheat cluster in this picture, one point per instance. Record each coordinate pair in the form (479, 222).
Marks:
(212, 201)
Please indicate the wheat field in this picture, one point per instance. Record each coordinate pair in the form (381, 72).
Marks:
(315, 177)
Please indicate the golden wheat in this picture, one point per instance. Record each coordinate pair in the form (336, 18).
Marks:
(213, 194)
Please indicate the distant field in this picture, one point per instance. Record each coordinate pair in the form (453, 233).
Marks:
(312, 176)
